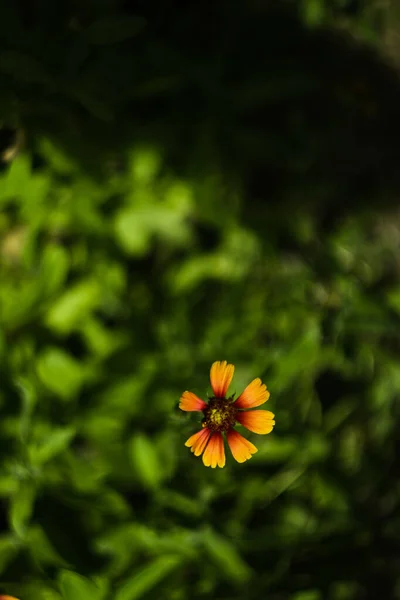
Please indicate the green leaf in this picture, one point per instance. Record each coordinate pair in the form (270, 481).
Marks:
(133, 232)
(303, 359)
(148, 578)
(76, 587)
(74, 306)
(54, 268)
(8, 549)
(17, 178)
(114, 29)
(225, 556)
(313, 11)
(21, 507)
(60, 372)
(42, 549)
(56, 157)
(29, 399)
(58, 440)
(308, 595)
(145, 461)
(144, 165)
(393, 299)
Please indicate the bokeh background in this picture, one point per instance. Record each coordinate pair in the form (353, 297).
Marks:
(184, 182)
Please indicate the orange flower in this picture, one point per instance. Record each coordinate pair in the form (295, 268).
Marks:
(221, 414)
(8, 598)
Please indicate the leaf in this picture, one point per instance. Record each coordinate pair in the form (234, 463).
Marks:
(313, 11)
(54, 268)
(56, 157)
(132, 232)
(22, 507)
(17, 177)
(148, 578)
(74, 306)
(29, 399)
(76, 587)
(226, 557)
(145, 461)
(313, 594)
(42, 549)
(303, 359)
(144, 165)
(57, 441)
(8, 549)
(114, 29)
(393, 299)
(60, 372)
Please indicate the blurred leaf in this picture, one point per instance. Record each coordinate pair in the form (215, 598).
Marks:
(114, 29)
(59, 161)
(62, 374)
(76, 587)
(147, 578)
(21, 507)
(145, 461)
(225, 556)
(54, 268)
(133, 232)
(58, 441)
(339, 413)
(144, 165)
(41, 548)
(29, 400)
(17, 177)
(301, 358)
(8, 550)
(280, 482)
(100, 340)
(277, 449)
(8, 486)
(328, 495)
(73, 306)
(313, 14)
(307, 595)
(393, 299)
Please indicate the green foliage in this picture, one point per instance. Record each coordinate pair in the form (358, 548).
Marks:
(172, 204)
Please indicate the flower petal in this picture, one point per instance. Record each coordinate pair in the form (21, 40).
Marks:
(190, 401)
(214, 454)
(241, 448)
(8, 598)
(198, 441)
(221, 374)
(259, 421)
(255, 394)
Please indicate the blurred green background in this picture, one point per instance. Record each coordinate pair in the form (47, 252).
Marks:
(184, 182)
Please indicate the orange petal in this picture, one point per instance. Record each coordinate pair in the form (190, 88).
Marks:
(259, 421)
(198, 441)
(8, 598)
(241, 448)
(221, 376)
(214, 454)
(255, 394)
(190, 401)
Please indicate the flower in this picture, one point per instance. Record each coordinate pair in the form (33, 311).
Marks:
(7, 597)
(221, 414)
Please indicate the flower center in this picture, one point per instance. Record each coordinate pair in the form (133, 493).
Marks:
(220, 414)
